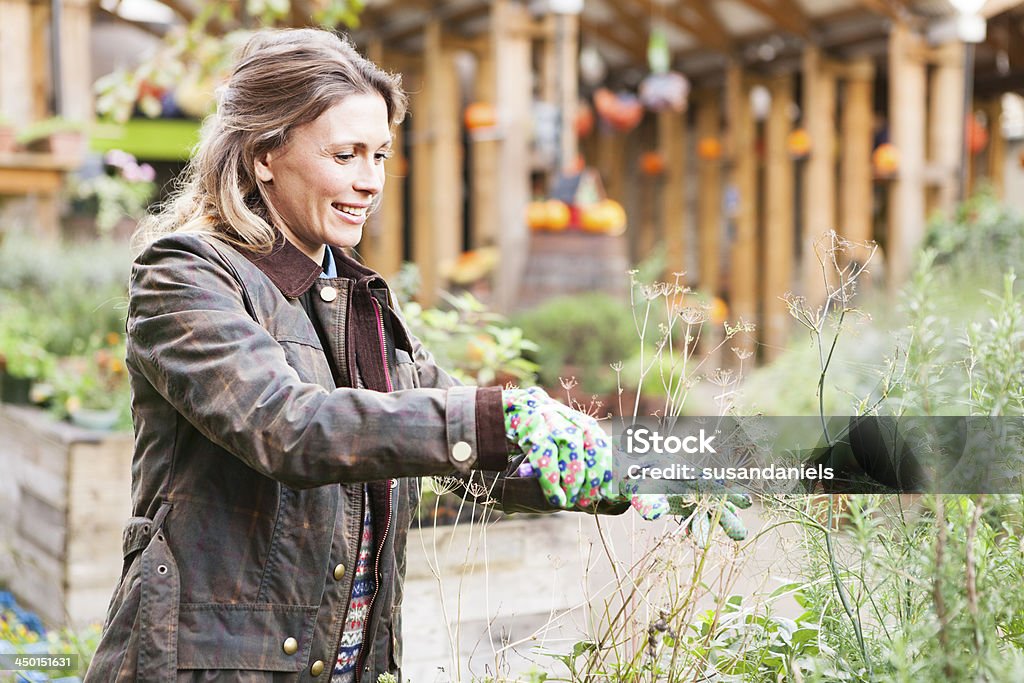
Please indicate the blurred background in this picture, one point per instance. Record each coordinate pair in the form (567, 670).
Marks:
(559, 155)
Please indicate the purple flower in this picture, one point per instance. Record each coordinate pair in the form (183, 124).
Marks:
(118, 158)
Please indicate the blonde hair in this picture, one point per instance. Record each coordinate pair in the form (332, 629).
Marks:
(282, 79)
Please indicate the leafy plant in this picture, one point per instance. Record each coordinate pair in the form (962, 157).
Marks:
(47, 127)
(123, 190)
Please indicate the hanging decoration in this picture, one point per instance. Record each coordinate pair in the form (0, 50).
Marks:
(798, 143)
(592, 66)
(665, 92)
(622, 112)
(652, 163)
(709, 149)
(885, 159)
(480, 115)
(584, 122)
(977, 135)
(760, 102)
(658, 54)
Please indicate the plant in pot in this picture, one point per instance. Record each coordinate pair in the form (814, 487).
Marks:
(92, 390)
(63, 138)
(23, 361)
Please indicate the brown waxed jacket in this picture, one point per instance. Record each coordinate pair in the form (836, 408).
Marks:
(250, 462)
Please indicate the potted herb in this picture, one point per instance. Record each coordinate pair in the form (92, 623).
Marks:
(63, 138)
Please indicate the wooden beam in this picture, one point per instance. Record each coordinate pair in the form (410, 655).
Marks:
(819, 187)
(709, 196)
(712, 25)
(743, 275)
(907, 126)
(786, 16)
(946, 127)
(653, 9)
(855, 173)
(16, 74)
(76, 63)
(779, 220)
(635, 50)
(611, 152)
(995, 7)
(996, 146)
(384, 237)
(485, 176)
(630, 22)
(512, 65)
(437, 166)
(896, 11)
(567, 46)
(672, 145)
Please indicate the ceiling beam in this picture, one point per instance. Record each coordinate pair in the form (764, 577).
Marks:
(629, 21)
(713, 25)
(994, 7)
(784, 13)
(657, 11)
(635, 50)
(892, 9)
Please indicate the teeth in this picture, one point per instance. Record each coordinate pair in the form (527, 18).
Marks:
(358, 211)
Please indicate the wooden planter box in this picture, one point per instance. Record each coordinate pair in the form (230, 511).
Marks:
(66, 494)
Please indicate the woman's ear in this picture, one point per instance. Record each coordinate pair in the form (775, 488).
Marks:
(262, 168)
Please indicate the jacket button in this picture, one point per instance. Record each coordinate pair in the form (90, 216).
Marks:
(328, 294)
(316, 669)
(462, 451)
(339, 572)
(291, 646)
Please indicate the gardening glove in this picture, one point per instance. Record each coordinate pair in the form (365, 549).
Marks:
(651, 506)
(565, 449)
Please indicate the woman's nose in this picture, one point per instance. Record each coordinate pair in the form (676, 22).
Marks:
(370, 178)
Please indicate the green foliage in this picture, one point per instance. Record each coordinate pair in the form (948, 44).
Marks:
(585, 332)
(47, 127)
(123, 190)
(474, 344)
(20, 640)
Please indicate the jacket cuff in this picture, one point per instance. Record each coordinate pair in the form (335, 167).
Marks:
(492, 447)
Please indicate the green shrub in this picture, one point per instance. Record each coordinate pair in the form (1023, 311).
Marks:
(583, 333)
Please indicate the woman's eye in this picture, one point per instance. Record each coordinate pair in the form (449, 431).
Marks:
(382, 156)
(344, 157)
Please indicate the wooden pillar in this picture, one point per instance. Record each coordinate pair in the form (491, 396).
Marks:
(855, 199)
(485, 175)
(709, 197)
(996, 146)
(437, 165)
(743, 264)
(611, 155)
(819, 186)
(16, 74)
(567, 38)
(383, 240)
(672, 145)
(510, 47)
(946, 125)
(907, 127)
(779, 227)
(75, 61)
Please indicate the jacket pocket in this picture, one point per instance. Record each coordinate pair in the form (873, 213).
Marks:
(245, 636)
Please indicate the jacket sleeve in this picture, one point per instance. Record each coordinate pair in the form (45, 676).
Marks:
(509, 492)
(194, 336)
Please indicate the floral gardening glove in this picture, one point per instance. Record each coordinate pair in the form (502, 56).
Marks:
(651, 506)
(565, 449)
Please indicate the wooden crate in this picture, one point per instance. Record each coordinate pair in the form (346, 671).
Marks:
(66, 494)
(572, 262)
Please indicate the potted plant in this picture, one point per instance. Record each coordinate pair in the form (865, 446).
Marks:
(22, 362)
(63, 138)
(92, 390)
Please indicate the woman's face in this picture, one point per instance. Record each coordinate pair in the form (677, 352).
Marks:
(324, 179)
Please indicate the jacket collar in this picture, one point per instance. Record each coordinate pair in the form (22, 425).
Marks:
(294, 273)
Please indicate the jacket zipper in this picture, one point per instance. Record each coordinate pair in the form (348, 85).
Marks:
(363, 649)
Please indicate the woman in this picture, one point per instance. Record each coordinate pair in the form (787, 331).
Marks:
(282, 409)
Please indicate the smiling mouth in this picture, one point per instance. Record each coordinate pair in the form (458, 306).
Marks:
(349, 210)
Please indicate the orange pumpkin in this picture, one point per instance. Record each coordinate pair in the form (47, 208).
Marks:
(537, 215)
(977, 135)
(652, 163)
(480, 115)
(606, 216)
(558, 214)
(719, 311)
(709, 149)
(799, 143)
(885, 159)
